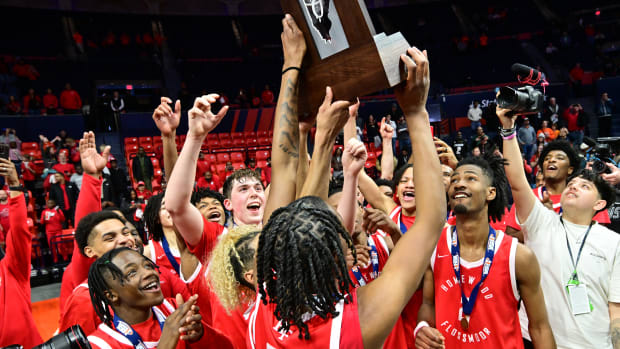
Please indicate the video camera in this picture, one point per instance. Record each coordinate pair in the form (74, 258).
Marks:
(526, 99)
(599, 154)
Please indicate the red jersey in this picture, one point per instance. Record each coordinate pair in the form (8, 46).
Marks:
(52, 218)
(27, 175)
(159, 256)
(511, 219)
(79, 309)
(214, 184)
(494, 322)
(202, 166)
(88, 201)
(409, 315)
(342, 331)
(16, 320)
(106, 337)
(233, 325)
(66, 169)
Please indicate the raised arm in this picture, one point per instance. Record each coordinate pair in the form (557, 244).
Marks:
(330, 120)
(303, 165)
(186, 216)
(387, 155)
(353, 160)
(285, 147)
(18, 238)
(528, 278)
(167, 122)
(522, 194)
(405, 268)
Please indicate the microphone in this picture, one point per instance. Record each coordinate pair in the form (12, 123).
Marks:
(528, 74)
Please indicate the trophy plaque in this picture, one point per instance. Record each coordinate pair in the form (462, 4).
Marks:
(343, 51)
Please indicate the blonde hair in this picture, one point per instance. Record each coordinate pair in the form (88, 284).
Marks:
(230, 259)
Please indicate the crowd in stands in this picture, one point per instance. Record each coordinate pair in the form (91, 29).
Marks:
(392, 238)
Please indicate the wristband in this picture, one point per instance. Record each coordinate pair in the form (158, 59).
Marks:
(16, 188)
(291, 68)
(505, 132)
(419, 327)
(506, 138)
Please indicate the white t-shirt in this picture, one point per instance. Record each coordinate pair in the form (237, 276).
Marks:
(474, 114)
(599, 268)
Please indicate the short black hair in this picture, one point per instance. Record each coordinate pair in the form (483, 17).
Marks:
(151, 217)
(605, 191)
(206, 193)
(493, 168)
(400, 172)
(238, 176)
(88, 223)
(564, 146)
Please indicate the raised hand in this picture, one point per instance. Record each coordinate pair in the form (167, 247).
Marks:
(354, 157)
(612, 178)
(412, 93)
(332, 116)
(293, 43)
(376, 219)
(353, 109)
(429, 338)
(173, 327)
(201, 118)
(505, 116)
(7, 170)
(165, 118)
(446, 154)
(386, 129)
(92, 162)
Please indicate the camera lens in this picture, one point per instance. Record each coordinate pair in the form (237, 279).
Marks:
(599, 167)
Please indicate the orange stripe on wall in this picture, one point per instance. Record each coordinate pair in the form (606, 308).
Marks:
(266, 119)
(235, 120)
(250, 121)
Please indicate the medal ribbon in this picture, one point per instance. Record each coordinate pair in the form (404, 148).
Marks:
(126, 330)
(374, 258)
(171, 259)
(468, 303)
(403, 227)
(570, 251)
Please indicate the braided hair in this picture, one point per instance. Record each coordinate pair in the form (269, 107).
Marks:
(492, 167)
(101, 270)
(300, 262)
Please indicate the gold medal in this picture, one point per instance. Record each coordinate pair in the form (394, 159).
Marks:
(464, 323)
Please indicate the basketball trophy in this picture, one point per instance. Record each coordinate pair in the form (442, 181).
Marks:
(344, 51)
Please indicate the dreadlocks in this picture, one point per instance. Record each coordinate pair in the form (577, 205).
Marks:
(300, 263)
(100, 270)
(493, 168)
(151, 217)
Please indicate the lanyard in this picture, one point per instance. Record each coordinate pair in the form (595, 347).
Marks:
(570, 251)
(374, 257)
(171, 259)
(468, 303)
(403, 227)
(126, 330)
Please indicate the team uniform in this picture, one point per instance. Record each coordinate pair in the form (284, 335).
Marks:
(363, 276)
(106, 337)
(409, 315)
(494, 321)
(169, 260)
(79, 308)
(341, 331)
(16, 321)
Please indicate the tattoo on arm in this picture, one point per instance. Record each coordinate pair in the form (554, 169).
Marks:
(288, 122)
(615, 333)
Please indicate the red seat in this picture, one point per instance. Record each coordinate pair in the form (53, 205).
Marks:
(148, 148)
(237, 157)
(336, 147)
(157, 141)
(131, 141)
(222, 158)
(213, 143)
(211, 158)
(264, 141)
(221, 170)
(369, 164)
(262, 134)
(238, 165)
(251, 143)
(62, 246)
(26, 146)
(270, 133)
(155, 162)
(224, 136)
(262, 155)
(371, 157)
(249, 134)
(36, 154)
(226, 143)
(212, 136)
(144, 141)
(236, 135)
(238, 143)
(131, 149)
(157, 173)
(182, 138)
